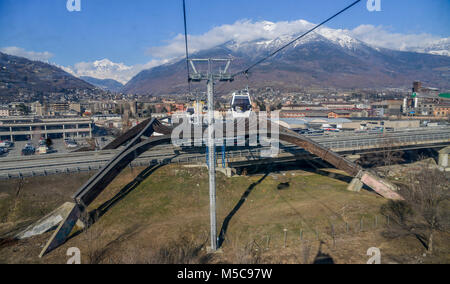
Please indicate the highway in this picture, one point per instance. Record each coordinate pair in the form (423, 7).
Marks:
(14, 167)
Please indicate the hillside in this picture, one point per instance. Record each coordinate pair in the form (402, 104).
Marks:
(319, 60)
(18, 74)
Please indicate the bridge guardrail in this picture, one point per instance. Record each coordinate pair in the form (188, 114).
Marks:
(387, 141)
(249, 154)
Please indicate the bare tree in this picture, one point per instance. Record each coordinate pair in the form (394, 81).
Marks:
(390, 156)
(387, 156)
(423, 212)
(14, 206)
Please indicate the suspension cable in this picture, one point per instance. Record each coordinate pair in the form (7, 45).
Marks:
(187, 47)
(245, 71)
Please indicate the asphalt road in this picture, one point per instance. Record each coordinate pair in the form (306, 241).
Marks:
(63, 161)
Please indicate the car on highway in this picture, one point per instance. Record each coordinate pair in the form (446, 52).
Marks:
(332, 130)
(302, 131)
(311, 132)
(316, 132)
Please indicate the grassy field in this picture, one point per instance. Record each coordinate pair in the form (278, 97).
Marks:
(165, 218)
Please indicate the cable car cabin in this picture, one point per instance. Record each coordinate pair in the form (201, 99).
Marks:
(241, 105)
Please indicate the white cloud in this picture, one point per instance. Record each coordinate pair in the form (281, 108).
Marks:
(246, 30)
(380, 36)
(106, 69)
(240, 31)
(32, 55)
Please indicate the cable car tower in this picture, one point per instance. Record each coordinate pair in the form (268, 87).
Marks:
(210, 77)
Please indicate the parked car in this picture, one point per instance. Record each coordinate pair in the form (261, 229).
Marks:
(6, 144)
(71, 143)
(42, 142)
(28, 150)
(43, 149)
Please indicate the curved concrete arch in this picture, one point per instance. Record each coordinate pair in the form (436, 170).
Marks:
(111, 171)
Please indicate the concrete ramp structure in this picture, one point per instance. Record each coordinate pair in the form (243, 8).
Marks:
(140, 139)
(48, 222)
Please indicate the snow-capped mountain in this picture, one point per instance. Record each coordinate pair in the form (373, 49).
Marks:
(441, 47)
(326, 58)
(338, 37)
(254, 40)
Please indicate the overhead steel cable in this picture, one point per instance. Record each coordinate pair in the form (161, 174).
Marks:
(186, 46)
(296, 39)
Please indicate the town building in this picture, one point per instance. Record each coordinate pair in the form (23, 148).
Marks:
(442, 110)
(59, 107)
(388, 108)
(422, 101)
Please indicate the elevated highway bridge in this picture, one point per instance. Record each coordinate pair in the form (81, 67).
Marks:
(342, 143)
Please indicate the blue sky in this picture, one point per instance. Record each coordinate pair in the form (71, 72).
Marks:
(125, 31)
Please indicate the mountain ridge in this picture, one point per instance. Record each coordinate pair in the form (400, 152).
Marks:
(105, 84)
(21, 75)
(324, 59)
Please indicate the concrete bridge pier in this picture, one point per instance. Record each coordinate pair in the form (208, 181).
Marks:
(382, 187)
(353, 158)
(356, 185)
(443, 158)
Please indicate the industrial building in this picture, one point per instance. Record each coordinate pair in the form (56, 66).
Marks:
(28, 128)
(387, 108)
